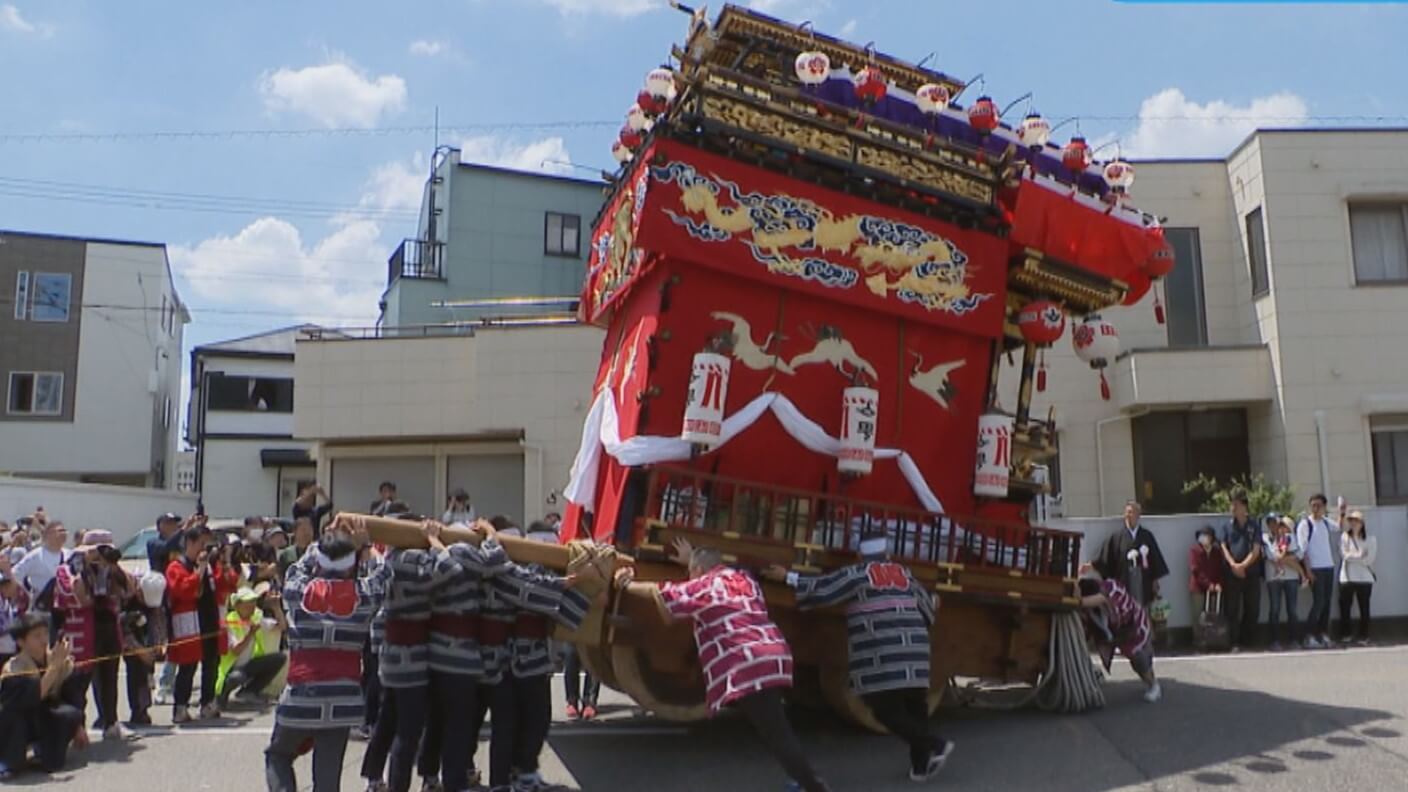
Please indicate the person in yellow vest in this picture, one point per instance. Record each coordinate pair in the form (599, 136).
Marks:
(252, 662)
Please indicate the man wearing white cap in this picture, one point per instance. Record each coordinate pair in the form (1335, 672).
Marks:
(888, 615)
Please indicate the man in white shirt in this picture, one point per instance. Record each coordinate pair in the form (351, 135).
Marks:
(39, 565)
(1313, 535)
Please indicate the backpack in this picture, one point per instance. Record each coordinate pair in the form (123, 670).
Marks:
(44, 602)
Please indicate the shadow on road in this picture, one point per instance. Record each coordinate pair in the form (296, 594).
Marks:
(1130, 742)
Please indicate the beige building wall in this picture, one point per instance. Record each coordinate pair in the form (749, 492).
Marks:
(501, 391)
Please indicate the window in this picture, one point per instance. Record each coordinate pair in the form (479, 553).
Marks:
(36, 393)
(51, 297)
(1379, 236)
(250, 394)
(1171, 448)
(1388, 436)
(1183, 290)
(563, 234)
(21, 295)
(1256, 253)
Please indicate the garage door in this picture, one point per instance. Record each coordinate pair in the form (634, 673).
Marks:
(494, 483)
(354, 482)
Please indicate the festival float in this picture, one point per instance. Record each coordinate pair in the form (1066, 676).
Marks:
(811, 263)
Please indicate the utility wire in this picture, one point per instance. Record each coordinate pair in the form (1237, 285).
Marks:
(103, 190)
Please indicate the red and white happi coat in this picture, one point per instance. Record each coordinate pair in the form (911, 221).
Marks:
(1129, 622)
(740, 648)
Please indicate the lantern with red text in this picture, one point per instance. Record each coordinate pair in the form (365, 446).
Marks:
(1034, 131)
(994, 464)
(983, 115)
(1042, 322)
(1096, 342)
(1075, 155)
(705, 399)
(812, 67)
(932, 98)
(859, 419)
(621, 152)
(630, 137)
(660, 83)
(870, 85)
(1119, 175)
(637, 119)
(650, 103)
(1159, 264)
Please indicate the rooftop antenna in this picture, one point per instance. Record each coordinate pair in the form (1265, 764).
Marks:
(925, 60)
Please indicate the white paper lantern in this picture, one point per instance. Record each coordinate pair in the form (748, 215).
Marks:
(1096, 341)
(812, 67)
(932, 98)
(621, 152)
(859, 422)
(994, 467)
(660, 82)
(704, 402)
(1119, 175)
(637, 119)
(1034, 131)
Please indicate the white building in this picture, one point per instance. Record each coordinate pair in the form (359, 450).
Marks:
(90, 356)
(1286, 349)
(241, 425)
(497, 410)
(185, 471)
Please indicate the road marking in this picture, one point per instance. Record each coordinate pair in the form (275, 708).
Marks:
(1263, 655)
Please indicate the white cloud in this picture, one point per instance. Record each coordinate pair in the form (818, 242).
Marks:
(333, 94)
(396, 186)
(620, 8)
(335, 281)
(13, 21)
(427, 48)
(1172, 125)
(849, 29)
(548, 155)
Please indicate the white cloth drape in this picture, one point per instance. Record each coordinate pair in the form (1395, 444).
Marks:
(602, 432)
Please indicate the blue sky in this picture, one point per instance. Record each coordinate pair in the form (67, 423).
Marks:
(325, 210)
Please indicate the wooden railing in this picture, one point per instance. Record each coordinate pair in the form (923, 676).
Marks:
(817, 523)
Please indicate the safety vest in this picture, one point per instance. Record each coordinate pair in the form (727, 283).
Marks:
(238, 629)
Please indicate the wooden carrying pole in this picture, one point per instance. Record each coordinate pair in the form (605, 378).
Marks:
(407, 534)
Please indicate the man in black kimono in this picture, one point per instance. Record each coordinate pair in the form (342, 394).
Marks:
(1133, 557)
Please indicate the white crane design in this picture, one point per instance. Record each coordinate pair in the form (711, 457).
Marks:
(751, 354)
(832, 348)
(934, 382)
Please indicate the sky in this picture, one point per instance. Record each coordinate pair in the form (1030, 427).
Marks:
(315, 118)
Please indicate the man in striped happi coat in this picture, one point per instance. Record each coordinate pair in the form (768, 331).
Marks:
(403, 624)
(746, 661)
(329, 613)
(888, 615)
(514, 634)
(456, 660)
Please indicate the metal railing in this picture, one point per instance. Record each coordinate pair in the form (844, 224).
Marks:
(690, 500)
(416, 258)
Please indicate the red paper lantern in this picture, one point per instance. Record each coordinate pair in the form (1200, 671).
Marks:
(983, 115)
(870, 85)
(630, 138)
(1041, 322)
(650, 103)
(1075, 155)
(1161, 262)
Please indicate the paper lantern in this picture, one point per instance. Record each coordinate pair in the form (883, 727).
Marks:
(650, 103)
(637, 119)
(871, 85)
(812, 67)
(994, 467)
(1118, 174)
(1075, 155)
(705, 399)
(1034, 131)
(660, 83)
(1097, 343)
(859, 419)
(1161, 262)
(932, 98)
(1041, 322)
(621, 152)
(982, 115)
(630, 137)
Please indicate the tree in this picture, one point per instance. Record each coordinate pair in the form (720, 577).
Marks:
(1263, 497)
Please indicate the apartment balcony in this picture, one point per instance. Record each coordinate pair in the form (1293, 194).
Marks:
(1192, 376)
(416, 258)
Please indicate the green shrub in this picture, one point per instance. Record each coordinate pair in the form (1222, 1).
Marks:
(1263, 496)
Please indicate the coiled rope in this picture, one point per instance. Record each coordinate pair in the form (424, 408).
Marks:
(1071, 684)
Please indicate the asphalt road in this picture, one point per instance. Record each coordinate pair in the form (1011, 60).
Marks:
(1286, 722)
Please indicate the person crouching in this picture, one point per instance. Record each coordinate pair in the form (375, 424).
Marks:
(330, 612)
(1116, 621)
(31, 710)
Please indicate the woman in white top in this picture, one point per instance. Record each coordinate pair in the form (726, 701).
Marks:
(1356, 575)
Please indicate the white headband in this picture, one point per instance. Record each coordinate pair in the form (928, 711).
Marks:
(339, 565)
(874, 546)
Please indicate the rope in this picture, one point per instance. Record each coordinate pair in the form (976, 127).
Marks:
(153, 650)
(1070, 685)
